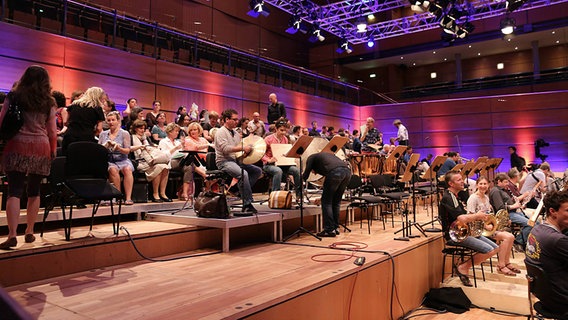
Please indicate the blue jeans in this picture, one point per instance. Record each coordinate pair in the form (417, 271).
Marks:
(333, 187)
(481, 244)
(278, 173)
(521, 220)
(247, 175)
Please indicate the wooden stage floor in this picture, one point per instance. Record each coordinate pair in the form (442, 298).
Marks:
(254, 280)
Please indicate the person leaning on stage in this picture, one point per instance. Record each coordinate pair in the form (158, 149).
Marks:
(85, 117)
(402, 133)
(276, 109)
(227, 142)
(479, 202)
(337, 175)
(532, 179)
(452, 209)
(120, 147)
(500, 199)
(547, 247)
(27, 156)
(279, 173)
(371, 136)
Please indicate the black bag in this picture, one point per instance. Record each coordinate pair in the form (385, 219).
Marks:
(209, 204)
(451, 299)
(13, 120)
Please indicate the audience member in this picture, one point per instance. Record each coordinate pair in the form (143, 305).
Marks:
(27, 156)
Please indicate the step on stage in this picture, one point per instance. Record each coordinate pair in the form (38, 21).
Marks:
(303, 278)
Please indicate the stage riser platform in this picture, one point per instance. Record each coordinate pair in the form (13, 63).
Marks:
(416, 271)
(94, 253)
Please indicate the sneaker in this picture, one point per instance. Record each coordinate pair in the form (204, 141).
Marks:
(249, 209)
(330, 234)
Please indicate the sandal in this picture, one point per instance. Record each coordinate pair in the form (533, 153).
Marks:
(463, 278)
(128, 202)
(506, 272)
(511, 267)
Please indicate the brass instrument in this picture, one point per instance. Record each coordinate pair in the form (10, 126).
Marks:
(459, 231)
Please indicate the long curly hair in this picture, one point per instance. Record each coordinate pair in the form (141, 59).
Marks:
(33, 91)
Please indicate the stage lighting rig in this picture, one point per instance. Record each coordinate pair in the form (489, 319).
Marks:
(513, 5)
(316, 34)
(507, 26)
(258, 7)
(464, 30)
(419, 5)
(343, 46)
(371, 42)
(361, 24)
(296, 24)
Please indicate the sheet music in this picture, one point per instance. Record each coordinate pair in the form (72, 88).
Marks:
(278, 152)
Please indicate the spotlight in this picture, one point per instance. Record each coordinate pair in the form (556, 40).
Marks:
(316, 34)
(257, 7)
(371, 42)
(465, 30)
(437, 8)
(448, 38)
(512, 5)
(344, 46)
(507, 25)
(419, 5)
(361, 24)
(296, 24)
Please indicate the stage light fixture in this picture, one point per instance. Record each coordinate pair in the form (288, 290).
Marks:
(507, 26)
(371, 42)
(258, 7)
(465, 30)
(344, 46)
(448, 38)
(540, 143)
(296, 24)
(437, 8)
(361, 24)
(512, 5)
(316, 34)
(419, 5)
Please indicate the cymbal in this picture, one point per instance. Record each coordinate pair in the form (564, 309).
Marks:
(258, 149)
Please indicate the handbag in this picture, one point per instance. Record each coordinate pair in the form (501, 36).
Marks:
(209, 204)
(13, 120)
(154, 156)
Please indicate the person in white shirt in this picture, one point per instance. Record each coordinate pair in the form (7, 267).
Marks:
(402, 134)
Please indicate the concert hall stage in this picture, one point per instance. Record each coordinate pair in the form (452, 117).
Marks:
(100, 276)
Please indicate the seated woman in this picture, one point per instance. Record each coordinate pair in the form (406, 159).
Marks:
(157, 173)
(479, 202)
(117, 141)
(159, 129)
(172, 146)
(452, 209)
(195, 142)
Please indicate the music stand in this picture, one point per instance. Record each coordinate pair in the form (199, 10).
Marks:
(396, 155)
(431, 175)
(296, 152)
(335, 144)
(467, 169)
(409, 177)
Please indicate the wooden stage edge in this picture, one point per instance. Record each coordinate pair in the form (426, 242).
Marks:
(254, 280)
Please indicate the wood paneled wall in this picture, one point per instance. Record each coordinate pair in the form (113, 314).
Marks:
(483, 126)
(76, 65)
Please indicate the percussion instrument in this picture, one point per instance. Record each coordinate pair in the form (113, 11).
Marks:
(280, 200)
(258, 149)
